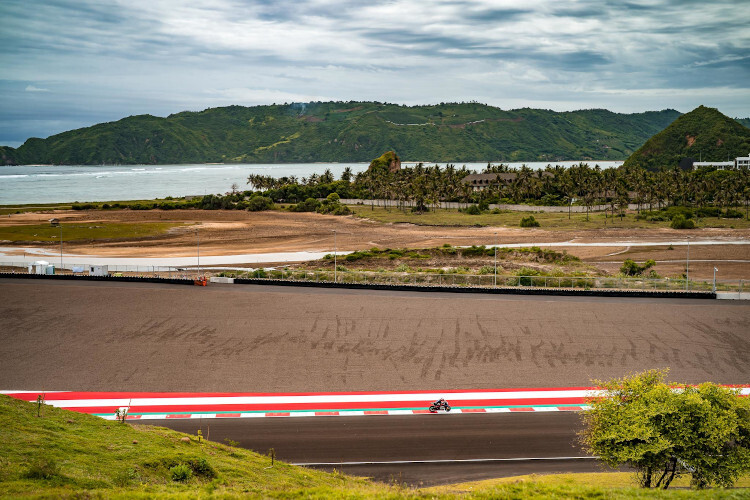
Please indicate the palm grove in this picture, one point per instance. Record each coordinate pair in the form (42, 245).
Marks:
(421, 188)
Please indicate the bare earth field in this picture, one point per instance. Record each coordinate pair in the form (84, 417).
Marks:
(103, 336)
(239, 232)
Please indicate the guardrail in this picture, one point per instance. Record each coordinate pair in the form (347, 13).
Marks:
(431, 279)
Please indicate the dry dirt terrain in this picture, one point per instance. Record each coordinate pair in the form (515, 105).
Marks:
(239, 232)
(104, 336)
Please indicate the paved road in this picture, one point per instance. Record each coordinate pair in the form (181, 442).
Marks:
(487, 440)
(103, 336)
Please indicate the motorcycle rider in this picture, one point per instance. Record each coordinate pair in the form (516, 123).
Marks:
(441, 403)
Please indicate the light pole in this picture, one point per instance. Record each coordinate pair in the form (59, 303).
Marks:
(715, 279)
(335, 249)
(496, 243)
(334, 256)
(687, 267)
(53, 223)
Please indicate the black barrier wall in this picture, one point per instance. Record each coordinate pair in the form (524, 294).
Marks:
(408, 288)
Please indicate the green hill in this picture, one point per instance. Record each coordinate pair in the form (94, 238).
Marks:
(349, 132)
(703, 133)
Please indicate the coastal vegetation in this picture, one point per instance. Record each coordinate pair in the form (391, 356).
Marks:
(348, 132)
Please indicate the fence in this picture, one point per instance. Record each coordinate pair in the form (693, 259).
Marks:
(576, 209)
(499, 281)
(414, 279)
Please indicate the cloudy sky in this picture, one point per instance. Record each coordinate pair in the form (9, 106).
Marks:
(70, 63)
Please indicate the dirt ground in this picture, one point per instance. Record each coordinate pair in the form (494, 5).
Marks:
(238, 232)
(59, 335)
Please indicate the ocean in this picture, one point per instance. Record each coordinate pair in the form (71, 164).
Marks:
(82, 183)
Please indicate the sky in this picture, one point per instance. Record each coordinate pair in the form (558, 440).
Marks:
(66, 64)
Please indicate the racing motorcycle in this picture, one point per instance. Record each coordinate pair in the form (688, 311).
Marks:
(440, 405)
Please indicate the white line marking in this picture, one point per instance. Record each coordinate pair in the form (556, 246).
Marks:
(465, 460)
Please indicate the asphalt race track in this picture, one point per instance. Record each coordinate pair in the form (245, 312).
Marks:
(473, 446)
(104, 336)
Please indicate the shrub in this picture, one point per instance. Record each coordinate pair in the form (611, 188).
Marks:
(473, 210)
(675, 211)
(679, 222)
(43, 468)
(477, 251)
(309, 205)
(83, 206)
(632, 268)
(733, 214)
(202, 468)
(181, 473)
(529, 221)
(708, 212)
(259, 203)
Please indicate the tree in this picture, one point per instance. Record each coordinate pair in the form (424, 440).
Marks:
(665, 431)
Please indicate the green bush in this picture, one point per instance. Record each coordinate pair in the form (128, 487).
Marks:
(679, 222)
(181, 473)
(259, 203)
(632, 268)
(473, 210)
(83, 206)
(708, 212)
(675, 211)
(477, 251)
(43, 468)
(733, 214)
(309, 205)
(529, 221)
(202, 468)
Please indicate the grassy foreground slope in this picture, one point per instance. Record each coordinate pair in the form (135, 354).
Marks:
(72, 455)
(349, 132)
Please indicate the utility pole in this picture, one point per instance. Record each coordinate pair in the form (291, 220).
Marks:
(61, 250)
(335, 248)
(198, 240)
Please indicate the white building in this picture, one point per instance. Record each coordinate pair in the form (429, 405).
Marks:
(41, 267)
(742, 161)
(717, 164)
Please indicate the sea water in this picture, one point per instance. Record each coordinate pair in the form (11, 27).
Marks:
(82, 183)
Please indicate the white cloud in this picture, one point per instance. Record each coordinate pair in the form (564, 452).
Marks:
(161, 56)
(31, 88)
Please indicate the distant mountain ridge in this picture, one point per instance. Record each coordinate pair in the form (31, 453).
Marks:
(349, 132)
(702, 134)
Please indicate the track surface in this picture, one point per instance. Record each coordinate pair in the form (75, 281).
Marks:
(96, 336)
(414, 438)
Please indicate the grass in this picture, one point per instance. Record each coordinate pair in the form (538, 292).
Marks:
(614, 482)
(84, 232)
(547, 220)
(78, 453)
(40, 207)
(63, 454)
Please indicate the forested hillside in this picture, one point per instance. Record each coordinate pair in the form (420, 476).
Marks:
(349, 131)
(703, 134)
